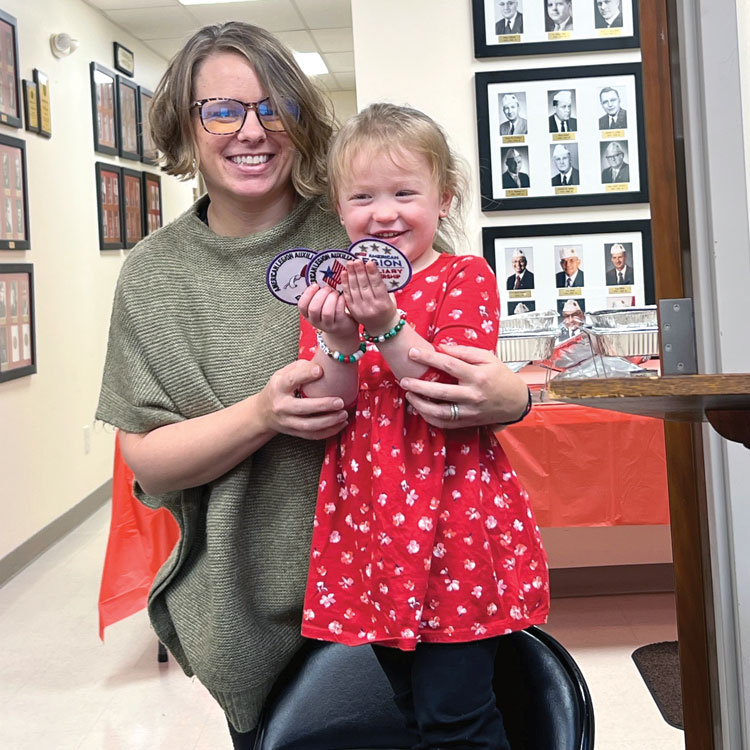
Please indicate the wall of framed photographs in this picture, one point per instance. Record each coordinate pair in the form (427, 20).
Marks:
(56, 283)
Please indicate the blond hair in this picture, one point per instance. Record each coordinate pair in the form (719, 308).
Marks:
(385, 128)
(172, 120)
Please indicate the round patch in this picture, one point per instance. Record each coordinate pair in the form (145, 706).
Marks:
(326, 268)
(393, 265)
(287, 274)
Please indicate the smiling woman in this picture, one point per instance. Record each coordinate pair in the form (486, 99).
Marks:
(201, 373)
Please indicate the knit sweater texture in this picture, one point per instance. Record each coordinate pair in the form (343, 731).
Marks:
(194, 329)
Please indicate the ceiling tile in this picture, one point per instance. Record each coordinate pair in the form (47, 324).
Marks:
(327, 82)
(334, 40)
(154, 23)
(274, 15)
(339, 61)
(326, 14)
(130, 4)
(347, 81)
(298, 41)
(167, 48)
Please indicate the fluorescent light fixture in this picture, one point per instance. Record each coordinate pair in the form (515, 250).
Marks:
(208, 2)
(312, 63)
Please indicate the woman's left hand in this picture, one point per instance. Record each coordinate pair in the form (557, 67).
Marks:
(487, 391)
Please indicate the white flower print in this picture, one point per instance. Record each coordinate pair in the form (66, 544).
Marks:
(354, 465)
(384, 539)
(501, 502)
(452, 584)
(455, 292)
(383, 420)
(423, 472)
(506, 538)
(490, 522)
(465, 449)
(431, 279)
(434, 622)
(473, 514)
(335, 627)
(327, 600)
(376, 471)
(349, 521)
(449, 471)
(515, 612)
(364, 527)
(491, 608)
(518, 525)
(382, 499)
(455, 314)
(477, 592)
(509, 563)
(485, 296)
(345, 582)
(322, 570)
(431, 305)
(483, 311)
(506, 476)
(468, 540)
(394, 451)
(455, 494)
(470, 475)
(461, 610)
(329, 508)
(537, 583)
(470, 334)
(413, 547)
(413, 602)
(383, 588)
(445, 515)
(407, 633)
(417, 294)
(439, 550)
(322, 486)
(425, 523)
(409, 585)
(520, 550)
(478, 628)
(434, 503)
(488, 326)
(501, 586)
(398, 519)
(479, 279)
(308, 615)
(486, 476)
(417, 447)
(404, 485)
(411, 497)
(316, 554)
(334, 537)
(343, 493)
(347, 558)
(469, 564)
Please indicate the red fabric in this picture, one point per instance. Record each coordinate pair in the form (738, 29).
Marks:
(422, 534)
(140, 540)
(589, 467)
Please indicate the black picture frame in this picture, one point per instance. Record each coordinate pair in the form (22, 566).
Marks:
(124, 59)
(109, 206)
(10, 79)
(104, 109)
(30, 106)
(131, 202)
(539, 188)
(146, 147)
(152, 206)
(541, 41)
(18, 356)
(45, 103)
(127, 119)
(14, 192)
(544, 290)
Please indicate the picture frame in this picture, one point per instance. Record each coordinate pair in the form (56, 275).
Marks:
(131, 200)
(104, 109)
(146, 147)
(45, 103)
(14, 195)
(10, 79)
(127, 118)
(124, 59)
(17, 329)
(109, 206)
(540, 27)
(152, 210)
(531, 158)
(30, 105)
(528, 263)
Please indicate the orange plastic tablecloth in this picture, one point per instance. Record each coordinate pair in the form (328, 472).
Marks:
(140, 540)
(580, 466)
(588, 467)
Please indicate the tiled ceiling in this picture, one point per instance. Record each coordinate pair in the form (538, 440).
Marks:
(323, 26)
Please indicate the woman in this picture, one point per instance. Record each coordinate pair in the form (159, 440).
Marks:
(201, 376)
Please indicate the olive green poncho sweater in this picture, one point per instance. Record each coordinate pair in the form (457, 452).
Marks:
(195, 329)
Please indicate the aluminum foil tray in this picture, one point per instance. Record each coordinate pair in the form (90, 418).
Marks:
(525, 347)
(620, 317)
(528, 322)
(628, 342)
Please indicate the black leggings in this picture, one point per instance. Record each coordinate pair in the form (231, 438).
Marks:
(444, 690)
(242, 740)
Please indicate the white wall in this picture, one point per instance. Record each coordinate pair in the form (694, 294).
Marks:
(421, 53)
(43, 468)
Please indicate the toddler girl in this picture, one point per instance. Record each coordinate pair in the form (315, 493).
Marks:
(424, 544)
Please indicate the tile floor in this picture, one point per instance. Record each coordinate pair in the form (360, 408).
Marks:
(62, 689)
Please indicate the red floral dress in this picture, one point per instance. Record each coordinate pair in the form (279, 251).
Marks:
(422, 534)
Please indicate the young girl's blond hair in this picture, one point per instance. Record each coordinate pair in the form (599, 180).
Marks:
(390, 129)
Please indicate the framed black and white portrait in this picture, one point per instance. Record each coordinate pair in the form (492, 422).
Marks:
(597, 265)
(127, 118)
(17, 330)
(561, 137)
(538, 27)
(104, 109)
(14, 203)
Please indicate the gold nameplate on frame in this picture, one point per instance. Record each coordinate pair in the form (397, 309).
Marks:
(618, 187)
(514, 139)
(613, 133)
(563, 136)
(610, 32)
(555, 35)
(519, 293)
(570, 292)
(566, 190)
(517, 193)
(620, 290)
(509, 38)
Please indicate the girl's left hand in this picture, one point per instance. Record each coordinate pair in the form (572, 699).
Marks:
(367, 298)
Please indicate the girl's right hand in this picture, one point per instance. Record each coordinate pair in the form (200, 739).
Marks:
(310, 418)
(324, 308)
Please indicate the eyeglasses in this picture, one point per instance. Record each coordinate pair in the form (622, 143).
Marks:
(221, 116)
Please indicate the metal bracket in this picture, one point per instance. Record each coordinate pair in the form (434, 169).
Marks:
(677, 325)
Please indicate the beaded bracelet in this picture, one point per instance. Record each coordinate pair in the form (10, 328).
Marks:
(525, 411)
(338, 356)
(388, 334)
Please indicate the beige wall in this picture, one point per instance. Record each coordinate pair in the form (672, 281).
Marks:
(421, 53)
(43, 468)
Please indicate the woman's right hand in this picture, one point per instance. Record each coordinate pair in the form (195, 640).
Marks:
(310, 418)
